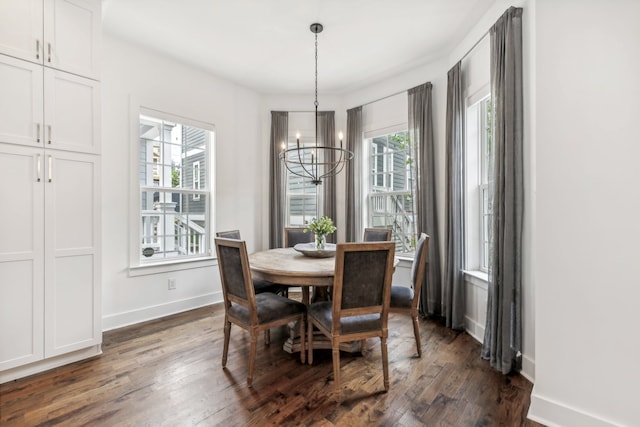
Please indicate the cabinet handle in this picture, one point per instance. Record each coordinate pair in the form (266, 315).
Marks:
(38, 168)
(50, 168)
(38, 132)
(49, 52)
(37, 49)
(49, 127)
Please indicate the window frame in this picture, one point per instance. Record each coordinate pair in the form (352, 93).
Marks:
(138, 266)
(478, 184)
(370, 172)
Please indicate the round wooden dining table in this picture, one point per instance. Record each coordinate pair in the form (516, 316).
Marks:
(287, 266)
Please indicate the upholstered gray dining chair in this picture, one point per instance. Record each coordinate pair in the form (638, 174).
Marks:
(243, 307)
(295, 235)
(404, 299)
(259, 284)
(376, 235)
(360, 302)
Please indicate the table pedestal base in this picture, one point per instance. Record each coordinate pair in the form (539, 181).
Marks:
(320, 341)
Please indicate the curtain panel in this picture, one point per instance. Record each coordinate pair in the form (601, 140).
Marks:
(502, 340)
(421, 136)
(277, 201)
(454, 299)
(327, 138)
(354, 175)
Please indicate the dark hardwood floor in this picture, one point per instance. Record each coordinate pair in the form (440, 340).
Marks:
(167, 372)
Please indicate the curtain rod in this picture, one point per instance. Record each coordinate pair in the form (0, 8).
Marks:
(405, 90)
(475, 45)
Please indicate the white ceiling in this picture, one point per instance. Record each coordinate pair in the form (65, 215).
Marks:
(266, 45)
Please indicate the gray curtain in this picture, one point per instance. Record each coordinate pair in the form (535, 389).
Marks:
(421, 136)
(327, 138)
(354, 174)
(454, 240)
(502, 338)
(277, 204)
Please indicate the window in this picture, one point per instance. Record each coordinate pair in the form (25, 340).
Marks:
(479, 180)
(390, 195)
(302, 194)
(175, 197)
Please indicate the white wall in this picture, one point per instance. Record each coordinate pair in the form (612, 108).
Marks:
(130, 73)
(587, 293)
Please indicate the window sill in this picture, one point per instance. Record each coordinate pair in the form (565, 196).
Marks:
(166, 267)
(477, 278)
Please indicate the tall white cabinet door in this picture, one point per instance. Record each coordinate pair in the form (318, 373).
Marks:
(21, 29)
(71, 112)
(72, 252)
(21, 100)
(21, 256)
(72, 36)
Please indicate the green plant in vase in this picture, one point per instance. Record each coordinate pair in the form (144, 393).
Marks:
(321, 227)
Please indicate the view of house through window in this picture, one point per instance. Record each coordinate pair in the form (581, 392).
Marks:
(302, 200)
(479, 166)
(174, 189)
(390, 195)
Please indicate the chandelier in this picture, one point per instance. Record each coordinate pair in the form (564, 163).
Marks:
(318, 161)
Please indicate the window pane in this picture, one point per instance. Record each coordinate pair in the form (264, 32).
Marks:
(301, 192)
(391, 188)
(174, 223)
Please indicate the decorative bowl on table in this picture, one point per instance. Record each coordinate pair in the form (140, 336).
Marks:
(310, 250)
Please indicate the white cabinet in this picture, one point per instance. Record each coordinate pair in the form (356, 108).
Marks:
(40, 106)
(21, 257)
(50, 294)
(62, 34)
(49, 254)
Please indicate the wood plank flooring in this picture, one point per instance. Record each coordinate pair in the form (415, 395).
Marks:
(167, 372)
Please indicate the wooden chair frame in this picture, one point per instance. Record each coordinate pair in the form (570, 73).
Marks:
(253, 326)
(338, 313)
(287, 230)
(369, 231)
(417, 288)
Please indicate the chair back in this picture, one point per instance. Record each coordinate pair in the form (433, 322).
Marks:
(376, 235)
(230, 234)
(295, 235)
(235, 275)
(362, 282)
(418, 266)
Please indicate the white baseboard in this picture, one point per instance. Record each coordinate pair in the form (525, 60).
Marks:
(474, 328)
(119, 320)
(528, 368)
(46, 364)
(551, 413)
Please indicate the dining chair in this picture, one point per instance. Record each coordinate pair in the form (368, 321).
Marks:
(243, 307)
(295, 235)
(376, 235)
(359, 308)
(405, 299)
(259, 284)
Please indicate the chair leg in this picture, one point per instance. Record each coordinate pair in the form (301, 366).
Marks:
(267, 337)
(336, 369)
(385, 362)
(363, 347)
(416, 332)
(303, 348)
(225, 348)
(252, 356)
(310, 341)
